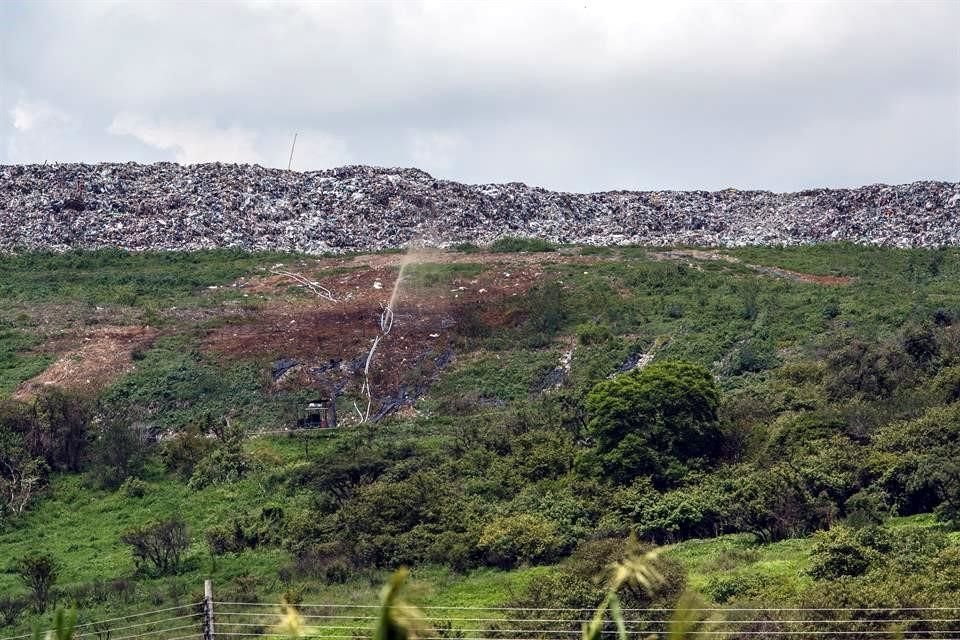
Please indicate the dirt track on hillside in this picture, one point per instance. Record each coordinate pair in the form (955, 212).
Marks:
(776, 272)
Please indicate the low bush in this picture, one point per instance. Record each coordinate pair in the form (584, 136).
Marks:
(725, 588)
(837, 553)
(515, 245)
(247, 532)
(158, 547)
(38, 572)
(10, 609)
(226, 463)
(118, 452)
(592, 333)
(181, 453)
(134, 488)
(527, 538)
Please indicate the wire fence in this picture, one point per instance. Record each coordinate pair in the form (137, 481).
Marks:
(172, 623)
(230, 620)
(243, 620)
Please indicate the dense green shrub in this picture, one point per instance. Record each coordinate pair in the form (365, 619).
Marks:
(751, 357)
(339, 476)
(326, 562)
(134, 488)
(776, 503)
(795, 434)
(697, 511)
(724, 588)
(57, 429)
(247, 532)
(837, 554)
(524, 538)
(222, 465)
(455, 549)
(579, 583)
(654, 421)
(868, 507)
(542, 454)
(226, 463)
(158, 547)
(920, 343)
(872, 371)
(182, 452)
(947, 384)
(592, 333)
(118, 452)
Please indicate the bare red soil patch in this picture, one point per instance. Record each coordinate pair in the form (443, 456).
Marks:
(326, 343)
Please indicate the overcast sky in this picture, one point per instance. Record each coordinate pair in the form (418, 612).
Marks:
(577, 96)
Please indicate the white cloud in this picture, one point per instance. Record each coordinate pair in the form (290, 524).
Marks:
(575, 95)
(28, 115)
(190, 141)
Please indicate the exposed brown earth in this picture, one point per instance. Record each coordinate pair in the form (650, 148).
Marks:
(90, 360)
(330, 340)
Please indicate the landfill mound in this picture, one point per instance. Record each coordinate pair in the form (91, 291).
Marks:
(166, 206)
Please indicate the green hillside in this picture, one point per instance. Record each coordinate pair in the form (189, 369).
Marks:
(785, 420)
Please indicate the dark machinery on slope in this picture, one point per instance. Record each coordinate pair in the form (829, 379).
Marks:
(318, 414)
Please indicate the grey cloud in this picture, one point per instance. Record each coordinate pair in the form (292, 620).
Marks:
(576, 96)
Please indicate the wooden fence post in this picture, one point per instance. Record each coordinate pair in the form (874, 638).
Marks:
(208, 633)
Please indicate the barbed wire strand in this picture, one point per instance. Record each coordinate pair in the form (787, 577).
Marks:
(153, 633)
(643, 630)
(219, 614)
(116, 619)
(138, 615)
(884, 632)
(592, 609)
(141, 624)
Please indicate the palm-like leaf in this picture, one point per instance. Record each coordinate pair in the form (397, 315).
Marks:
(397, 619)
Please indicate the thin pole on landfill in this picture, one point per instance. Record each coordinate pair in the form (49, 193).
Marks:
(290, 161)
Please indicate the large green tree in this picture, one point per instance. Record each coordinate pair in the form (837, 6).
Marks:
(654, 421)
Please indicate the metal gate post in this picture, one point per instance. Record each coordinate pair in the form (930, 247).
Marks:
(208, 633)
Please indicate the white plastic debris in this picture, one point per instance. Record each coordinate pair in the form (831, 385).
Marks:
(165, 206)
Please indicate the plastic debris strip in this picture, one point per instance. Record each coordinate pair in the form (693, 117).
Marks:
(166, 206)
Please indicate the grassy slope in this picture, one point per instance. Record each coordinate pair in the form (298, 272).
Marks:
(102, 516)
(700, 307)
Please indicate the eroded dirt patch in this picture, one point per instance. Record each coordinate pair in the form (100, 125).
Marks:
(323, 344)
(91, 360)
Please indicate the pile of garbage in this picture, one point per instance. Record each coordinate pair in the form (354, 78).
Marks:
(166, 206)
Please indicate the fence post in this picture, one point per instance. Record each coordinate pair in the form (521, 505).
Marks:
(208, 610)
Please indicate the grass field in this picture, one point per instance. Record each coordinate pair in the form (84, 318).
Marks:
(489, 429)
